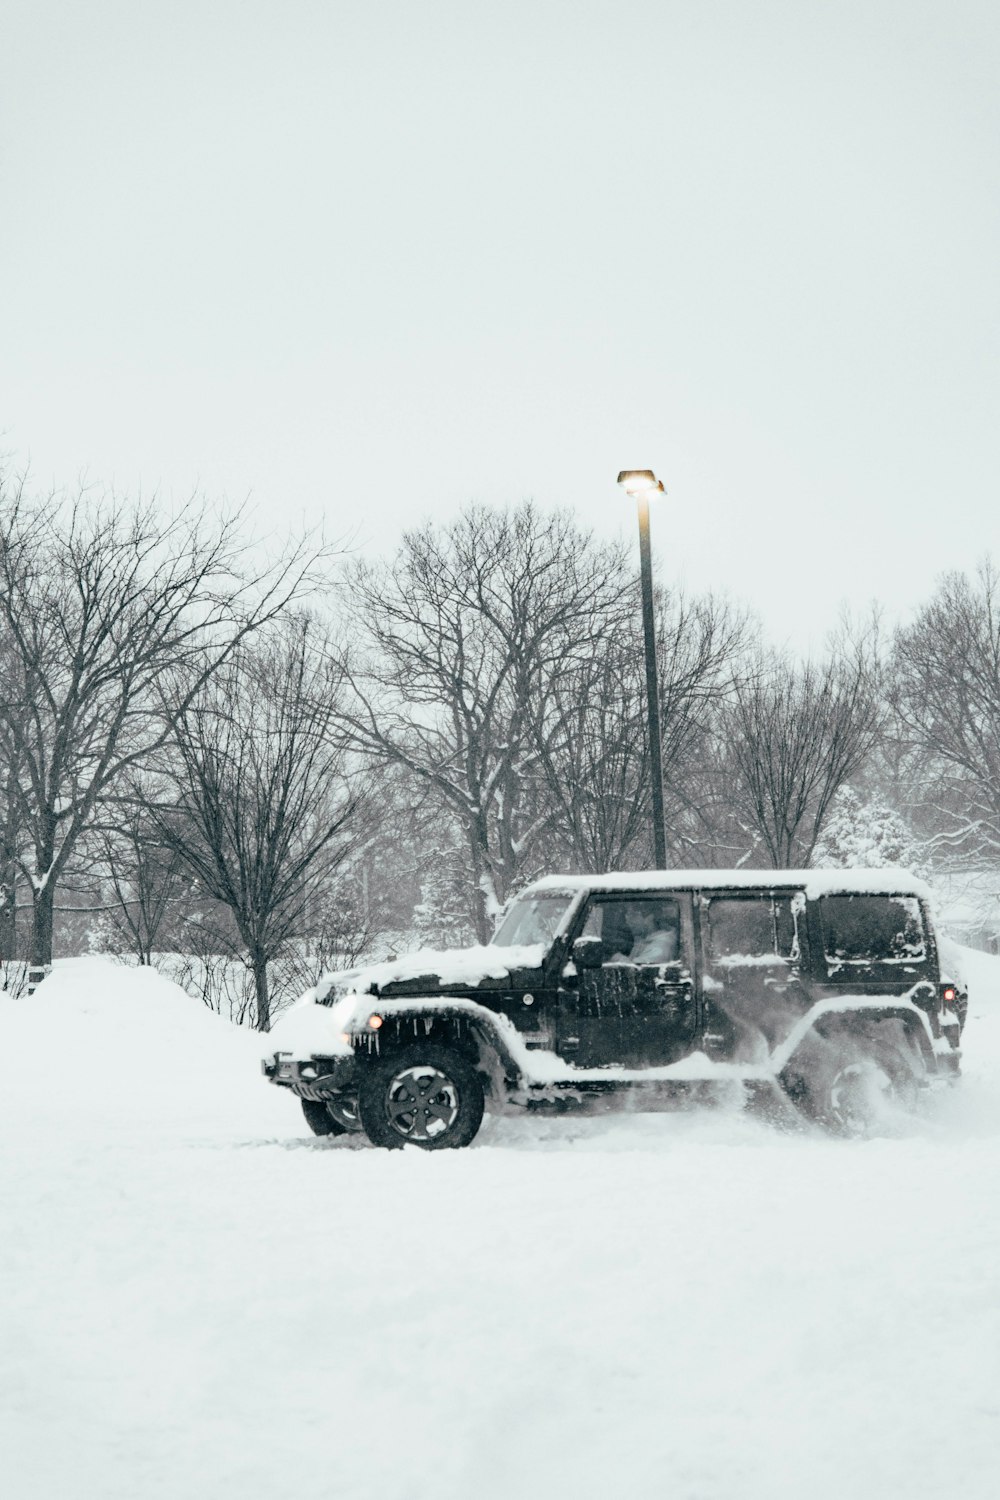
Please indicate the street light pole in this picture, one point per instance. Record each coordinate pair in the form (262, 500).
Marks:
(642, 483)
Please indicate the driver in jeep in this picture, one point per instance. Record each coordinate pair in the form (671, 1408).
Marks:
(654, 936)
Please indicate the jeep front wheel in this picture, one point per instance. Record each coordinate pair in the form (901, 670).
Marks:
(423, 1096)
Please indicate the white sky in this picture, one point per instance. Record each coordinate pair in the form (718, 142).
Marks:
(367, 259)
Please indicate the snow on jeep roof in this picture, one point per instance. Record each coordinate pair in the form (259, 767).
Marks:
(815, 883)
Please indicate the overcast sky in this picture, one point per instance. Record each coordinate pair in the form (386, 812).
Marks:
(368, 260)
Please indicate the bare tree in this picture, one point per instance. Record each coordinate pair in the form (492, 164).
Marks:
(593, 755)
(461, 639)
(946, 695)
(143, 870)
(795, 736)
(107, 608)
(265, 809)
(9, 804)
(595, 750)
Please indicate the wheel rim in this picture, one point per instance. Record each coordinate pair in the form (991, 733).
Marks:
(345, 1112)
(859, 1094)
(422, 1103)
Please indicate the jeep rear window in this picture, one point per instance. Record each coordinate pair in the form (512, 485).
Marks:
(872, 929)
(532, 919)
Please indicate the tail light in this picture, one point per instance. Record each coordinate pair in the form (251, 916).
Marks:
(948, 993)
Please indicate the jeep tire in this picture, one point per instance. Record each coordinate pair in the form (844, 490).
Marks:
(319, 1118)
(427, 1096)
(851, 1085)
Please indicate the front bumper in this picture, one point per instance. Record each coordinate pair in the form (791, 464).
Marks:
(311, 1078)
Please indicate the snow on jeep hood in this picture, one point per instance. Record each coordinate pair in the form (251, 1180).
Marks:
(306, 1029)
(461, 966)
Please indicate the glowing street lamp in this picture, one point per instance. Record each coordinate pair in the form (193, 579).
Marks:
(642, 483)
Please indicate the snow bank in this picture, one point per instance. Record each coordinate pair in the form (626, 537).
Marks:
(111, 1045)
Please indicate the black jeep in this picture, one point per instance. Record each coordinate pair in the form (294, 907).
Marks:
(819, 988)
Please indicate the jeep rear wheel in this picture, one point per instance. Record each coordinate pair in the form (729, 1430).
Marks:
(429, 1097)
(858, 1095)
(856, 1087)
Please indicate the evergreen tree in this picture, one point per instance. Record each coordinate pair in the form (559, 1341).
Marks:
(868, 833)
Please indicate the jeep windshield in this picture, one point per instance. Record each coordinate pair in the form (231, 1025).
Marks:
(532, 919)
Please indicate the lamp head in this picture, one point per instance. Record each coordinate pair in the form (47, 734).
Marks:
(639, 482)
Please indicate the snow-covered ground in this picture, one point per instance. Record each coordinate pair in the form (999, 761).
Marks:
(203, 1302)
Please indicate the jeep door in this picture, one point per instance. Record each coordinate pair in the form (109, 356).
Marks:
(753, 962)
(627, 994)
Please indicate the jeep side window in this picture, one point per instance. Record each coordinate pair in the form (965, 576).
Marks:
(872, 929)
(752, 927)
(645, 931)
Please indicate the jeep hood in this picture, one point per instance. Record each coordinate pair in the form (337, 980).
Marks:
(433, 971)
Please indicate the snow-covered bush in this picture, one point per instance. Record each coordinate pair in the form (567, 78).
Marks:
(868, 834)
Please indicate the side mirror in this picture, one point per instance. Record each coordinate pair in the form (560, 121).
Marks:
(589, 953)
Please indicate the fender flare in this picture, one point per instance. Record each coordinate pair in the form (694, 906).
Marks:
(493, 1032)
(830, 1015)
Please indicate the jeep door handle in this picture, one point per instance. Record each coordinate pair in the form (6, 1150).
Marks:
(682, 986)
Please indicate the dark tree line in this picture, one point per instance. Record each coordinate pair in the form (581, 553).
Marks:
(199, 756)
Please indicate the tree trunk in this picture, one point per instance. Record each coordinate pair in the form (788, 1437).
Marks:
(40, 956)
(483, 926)
(8, 913)
(258, 963)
